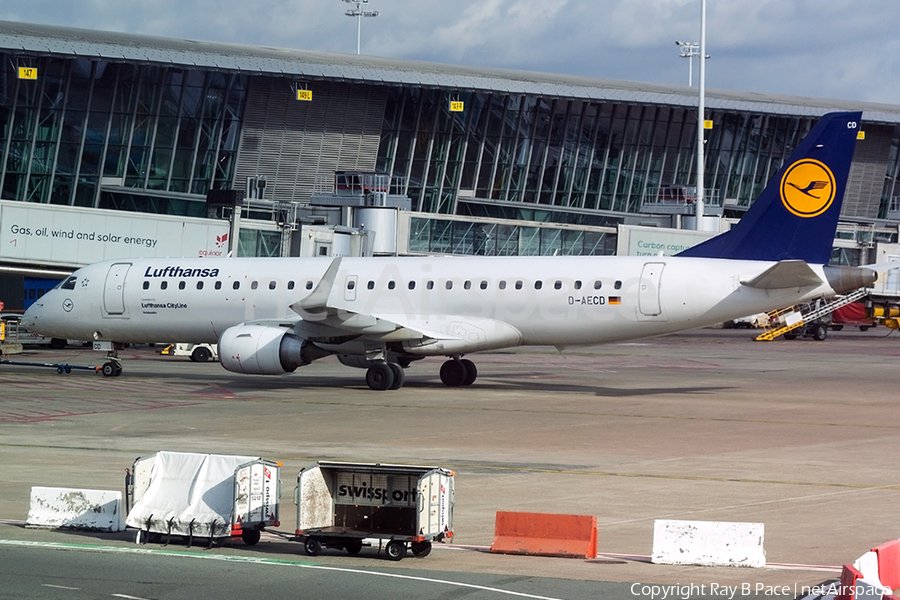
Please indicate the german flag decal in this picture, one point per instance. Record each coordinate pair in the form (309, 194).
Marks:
(615, 299)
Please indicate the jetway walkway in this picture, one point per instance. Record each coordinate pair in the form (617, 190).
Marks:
(789, 319)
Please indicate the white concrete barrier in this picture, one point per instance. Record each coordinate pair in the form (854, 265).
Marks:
(708, 543)
(75, 509)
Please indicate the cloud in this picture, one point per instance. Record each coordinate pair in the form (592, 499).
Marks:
(837, 49)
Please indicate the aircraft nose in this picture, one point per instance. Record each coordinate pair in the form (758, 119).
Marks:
(30, 317)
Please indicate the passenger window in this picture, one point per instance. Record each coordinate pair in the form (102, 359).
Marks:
(538, 284)
(371, 285)
(199, 285)
(309, 285)
(598, 284)
(391, 285)
(618, 285)
(218, 285)
(519, 284)
(181, 285)
(449, 284)
(272, 285)
(557, 285)
(412, 285)
(351, 284)
(502, 284)
(290, 285)
(467, 285)
(163, 285)
(254, 285)
(484, 285)
(236, 285)
(577, 284)
(430, 285)
(146, 285)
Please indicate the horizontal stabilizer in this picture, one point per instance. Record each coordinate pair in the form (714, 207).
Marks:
(785, 274)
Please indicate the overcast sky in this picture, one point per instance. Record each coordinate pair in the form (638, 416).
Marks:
(835, 49)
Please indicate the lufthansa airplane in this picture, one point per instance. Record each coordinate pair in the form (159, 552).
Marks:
(272, 315)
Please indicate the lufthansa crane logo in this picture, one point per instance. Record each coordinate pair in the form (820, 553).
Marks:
(807, 188)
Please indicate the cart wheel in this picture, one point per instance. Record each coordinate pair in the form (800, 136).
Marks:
(108, 369)
(60, 370)
(250, 536)
(67, 369)
(421, 549)
(395, 550)
(312, 546)
(353, 547)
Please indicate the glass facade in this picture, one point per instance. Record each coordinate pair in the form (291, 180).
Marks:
(151, 136)
(449, 236)
(565, 155)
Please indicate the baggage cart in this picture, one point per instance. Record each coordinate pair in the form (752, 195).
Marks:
(211, 496)
(402, 507)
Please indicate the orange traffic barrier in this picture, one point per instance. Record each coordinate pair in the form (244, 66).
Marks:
(889, 563)
(545, 534)
(849, 575)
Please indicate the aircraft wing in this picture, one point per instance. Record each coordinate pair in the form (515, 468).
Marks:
(322, 317)
(785, 274)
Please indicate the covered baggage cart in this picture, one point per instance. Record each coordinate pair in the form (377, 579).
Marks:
(203, 495)
(341, 505)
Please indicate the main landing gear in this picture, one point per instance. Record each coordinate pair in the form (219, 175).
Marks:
(456, 372)
(385, 376)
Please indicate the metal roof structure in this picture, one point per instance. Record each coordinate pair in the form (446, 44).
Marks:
(29, 39)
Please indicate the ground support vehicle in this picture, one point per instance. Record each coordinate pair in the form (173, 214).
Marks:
(348, 505)
(210, 496)
(196, 352)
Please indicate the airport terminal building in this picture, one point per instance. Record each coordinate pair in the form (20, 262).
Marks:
(486, 161)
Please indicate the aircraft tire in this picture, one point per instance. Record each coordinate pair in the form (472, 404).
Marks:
(399, 376)
(471, 371)
(453, 373)
(380, 377)
(109, 369)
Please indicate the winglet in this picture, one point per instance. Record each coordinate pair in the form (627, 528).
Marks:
(796, 215)
(318, 298)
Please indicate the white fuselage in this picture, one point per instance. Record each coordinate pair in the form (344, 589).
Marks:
(534, 300)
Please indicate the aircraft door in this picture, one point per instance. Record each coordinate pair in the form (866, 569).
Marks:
(648, 294)
(114, 290)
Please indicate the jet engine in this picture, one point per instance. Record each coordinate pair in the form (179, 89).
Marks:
(262, 350)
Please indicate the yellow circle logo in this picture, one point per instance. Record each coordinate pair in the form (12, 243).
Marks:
(807, 188)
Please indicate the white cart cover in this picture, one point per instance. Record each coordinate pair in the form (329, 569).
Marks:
(186, 488)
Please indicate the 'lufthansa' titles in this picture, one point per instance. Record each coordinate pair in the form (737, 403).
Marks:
(175, 271)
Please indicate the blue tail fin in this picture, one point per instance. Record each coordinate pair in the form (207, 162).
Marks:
(796, 216)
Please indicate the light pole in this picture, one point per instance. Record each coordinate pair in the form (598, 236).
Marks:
(359, 13)
(701, 119)
(690, 51)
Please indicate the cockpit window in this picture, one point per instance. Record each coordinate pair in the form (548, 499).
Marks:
(68, 283)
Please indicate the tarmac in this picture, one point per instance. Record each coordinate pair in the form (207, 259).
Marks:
(800, 436)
